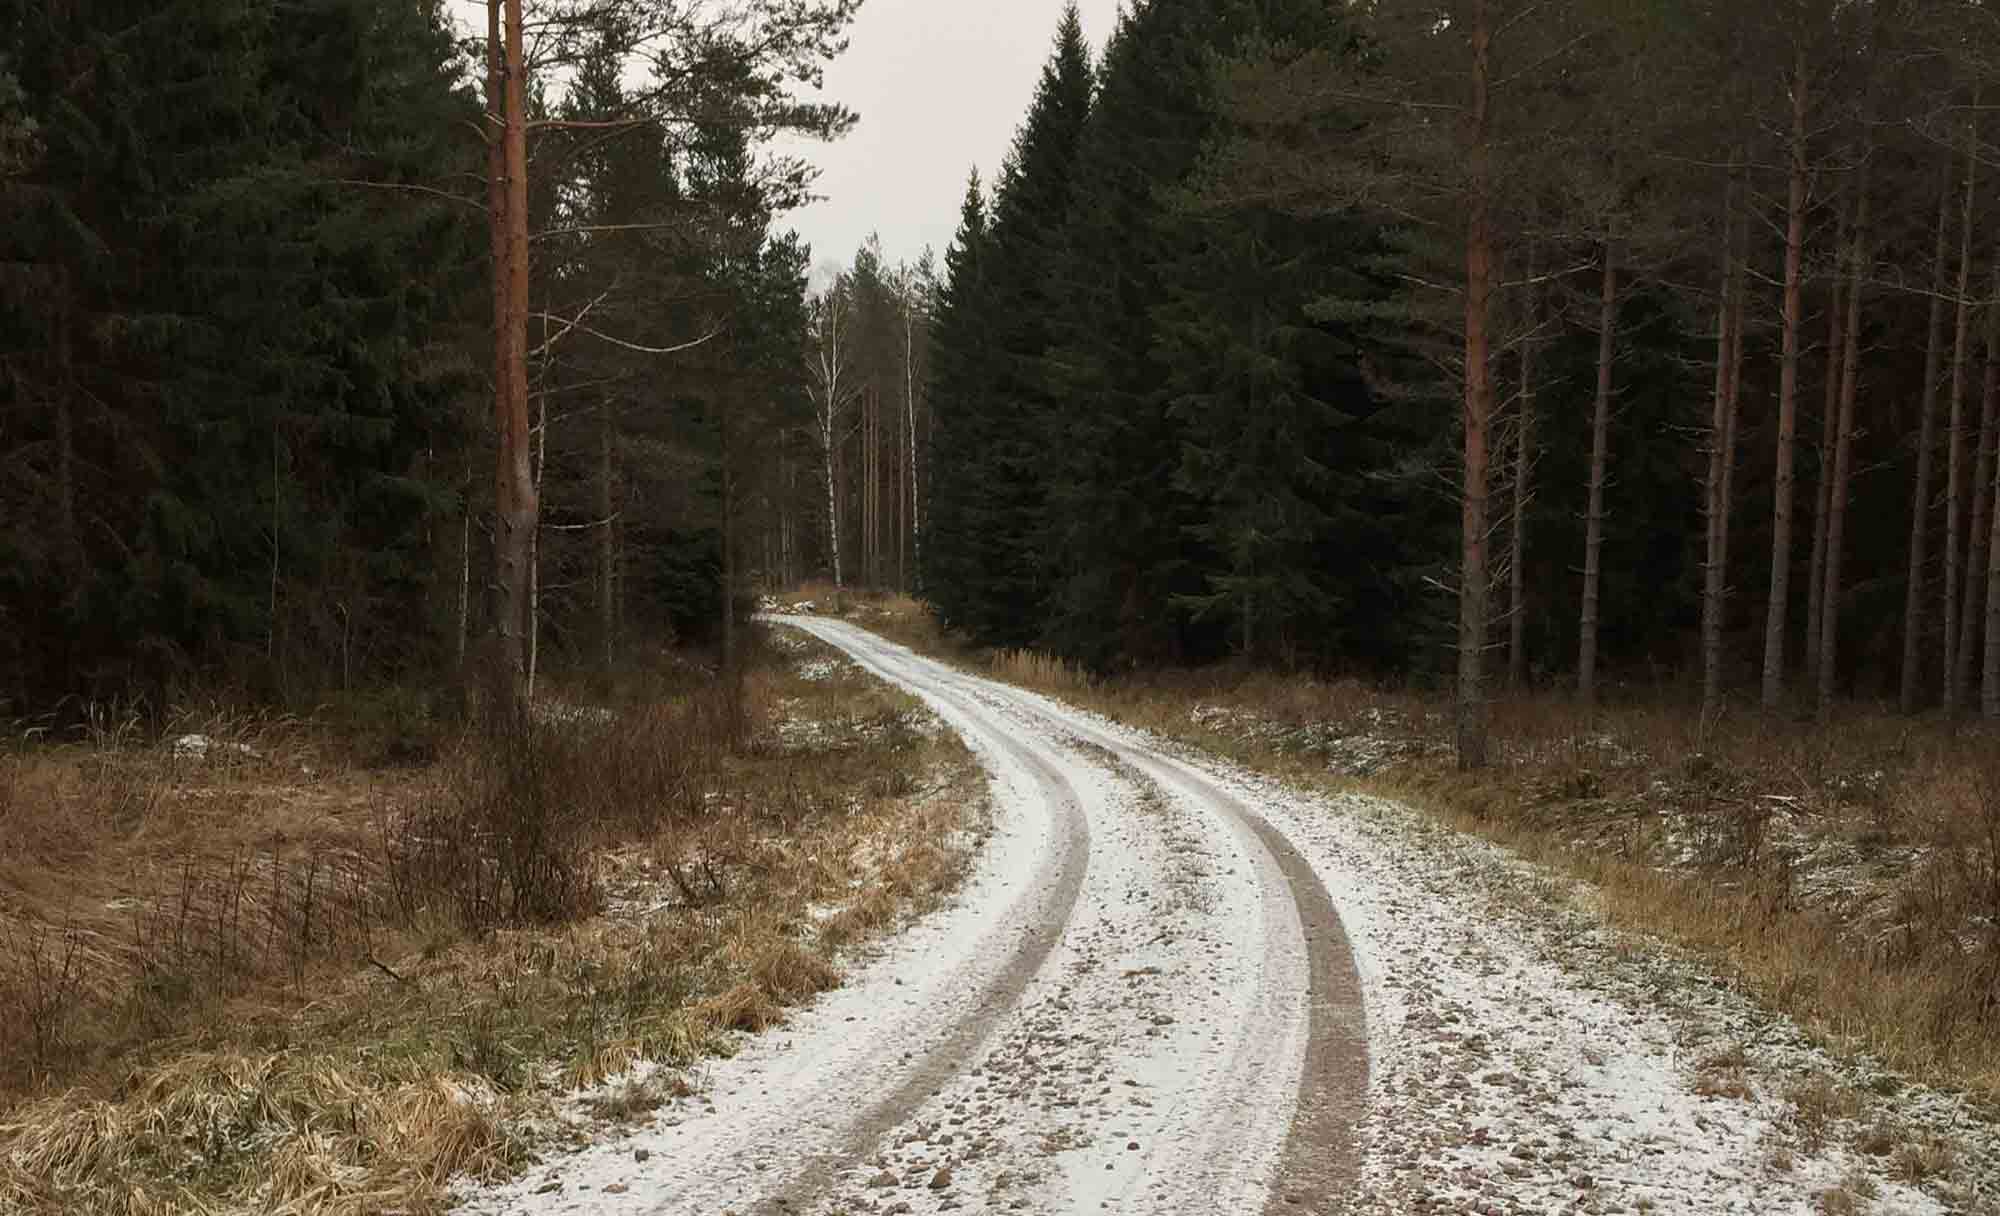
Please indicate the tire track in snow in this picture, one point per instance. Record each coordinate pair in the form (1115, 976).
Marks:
(1272, 1121)
(945, 1058)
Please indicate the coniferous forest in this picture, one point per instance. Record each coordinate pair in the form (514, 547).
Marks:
(1587, 345)
(1488, 343)
(1389, 519)
(259, 360)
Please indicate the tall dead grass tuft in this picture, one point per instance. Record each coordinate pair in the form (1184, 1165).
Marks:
(1040, 670)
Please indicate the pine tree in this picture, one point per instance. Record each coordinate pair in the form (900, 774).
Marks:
(1032, 202)
(1265, 456)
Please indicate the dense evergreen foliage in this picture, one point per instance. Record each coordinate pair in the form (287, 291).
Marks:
(1234, 422)
(1169, 448)
(246, 314)
(1342, 337)
(227, 374)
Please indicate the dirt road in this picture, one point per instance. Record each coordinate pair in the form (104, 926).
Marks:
(1145, 1000)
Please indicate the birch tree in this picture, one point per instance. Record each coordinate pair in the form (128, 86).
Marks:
(829, 359)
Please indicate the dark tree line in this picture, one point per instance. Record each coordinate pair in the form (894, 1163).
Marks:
(253, 332)
(1548, 342)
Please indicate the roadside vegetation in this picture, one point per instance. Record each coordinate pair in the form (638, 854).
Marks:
(1846, 873)
(330, 965)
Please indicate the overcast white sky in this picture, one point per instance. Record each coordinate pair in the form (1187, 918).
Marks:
(940, 86)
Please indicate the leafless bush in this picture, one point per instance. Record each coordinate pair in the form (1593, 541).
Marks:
(527, 806)
(42, 989)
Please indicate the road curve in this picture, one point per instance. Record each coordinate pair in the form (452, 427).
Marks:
(1270, 1118)
(1141, 1001)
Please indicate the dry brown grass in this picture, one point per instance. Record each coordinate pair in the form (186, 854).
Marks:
(697, 873)
(1042, 672)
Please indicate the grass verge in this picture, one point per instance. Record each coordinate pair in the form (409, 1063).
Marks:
(268, 978)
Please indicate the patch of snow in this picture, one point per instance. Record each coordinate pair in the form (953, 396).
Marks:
(1523, 1056)
(551, 712)
(1527, 1059)
(816, 670)
(202, 747)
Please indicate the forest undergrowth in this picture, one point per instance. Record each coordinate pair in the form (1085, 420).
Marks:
(1847, 873)
(331, 965)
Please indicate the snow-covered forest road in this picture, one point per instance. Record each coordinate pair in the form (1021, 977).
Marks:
(1172, 987)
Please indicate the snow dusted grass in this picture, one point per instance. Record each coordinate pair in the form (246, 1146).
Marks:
(1849, 877)
(1528, 1056)
(430, 1048)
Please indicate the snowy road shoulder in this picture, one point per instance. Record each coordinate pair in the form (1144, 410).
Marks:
(1528, 1059)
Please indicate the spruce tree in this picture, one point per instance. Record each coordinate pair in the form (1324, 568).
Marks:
(953, 556)
(1127, 539)
(240, 357)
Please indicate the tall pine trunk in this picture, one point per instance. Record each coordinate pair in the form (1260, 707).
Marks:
(1954, 501)
(1524, 496)
(1970, 617)
(464, 579)
(498, 678)
(69, 546)
(1788, 400)
(1829, 419)
(516, 508)
(607, 618)
(1989, 686)
(1843, 452)
(1721, 462)
(786, 505)
(1731, 436)
(903, 513)
(873, 484)
(1472, 592)
(866, 497)
(1600, 440)
(1920, 499)
(731, 661)
(910, 450)
(541, 458)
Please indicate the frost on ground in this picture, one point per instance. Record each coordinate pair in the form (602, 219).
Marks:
(201, 747)
(1838, 846)
(550, 711)
(1526, 1059)
(1360, 746)
(1522, 1057)
(818, 669)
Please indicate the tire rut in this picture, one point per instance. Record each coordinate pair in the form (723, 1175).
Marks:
(1319, 1161)
(946, 1059)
